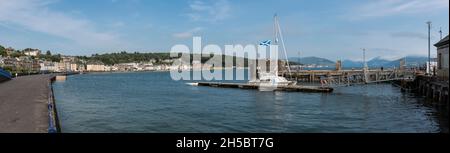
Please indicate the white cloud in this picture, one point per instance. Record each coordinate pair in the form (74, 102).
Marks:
(209, 12)
(187, 34)
(380, 8)
(35, 15)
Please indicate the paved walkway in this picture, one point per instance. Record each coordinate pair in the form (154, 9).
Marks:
(23, 105)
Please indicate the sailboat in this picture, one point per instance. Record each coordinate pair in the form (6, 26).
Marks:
(269, 81)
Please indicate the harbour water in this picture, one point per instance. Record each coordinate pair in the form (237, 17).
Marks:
(152, 102)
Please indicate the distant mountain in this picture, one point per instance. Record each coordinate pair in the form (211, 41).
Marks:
(313, 61)
(350, 63)
(377, 62)
(412, 61)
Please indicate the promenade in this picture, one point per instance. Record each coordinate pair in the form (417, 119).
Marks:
(23, 105)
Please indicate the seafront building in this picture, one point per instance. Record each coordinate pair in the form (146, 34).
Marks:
(2, 60)
(9, 62)
(23, 64)
(95, 66)
(63, 67)
(126, 66)
(74, 67)
(31, 61)
(48, 66)
(442, 59)
(196, 65)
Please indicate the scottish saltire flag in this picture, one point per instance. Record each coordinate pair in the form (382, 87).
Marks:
(265, 43)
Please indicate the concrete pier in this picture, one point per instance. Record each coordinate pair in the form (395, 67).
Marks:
(24, 104)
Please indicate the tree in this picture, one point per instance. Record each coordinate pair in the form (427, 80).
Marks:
(9, 69)
(2, 51)
(56, 58)
(48, 53)
(17, 54)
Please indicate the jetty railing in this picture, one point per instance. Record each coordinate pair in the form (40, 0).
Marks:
(53, 121)
(336, 78)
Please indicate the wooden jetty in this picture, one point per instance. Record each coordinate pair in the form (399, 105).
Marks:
(349, 77)
(433, 88)
(291, 88)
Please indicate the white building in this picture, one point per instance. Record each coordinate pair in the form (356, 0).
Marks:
(64, 67)
(196, 65)
(47, 66)
(431, 67)
(32, 52)
(442, 58)
(95, 67)
(74, 67)
(1, 61)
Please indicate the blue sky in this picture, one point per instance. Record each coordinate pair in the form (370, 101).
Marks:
(334, 29)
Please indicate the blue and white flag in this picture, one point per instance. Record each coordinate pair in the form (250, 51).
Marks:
(265, 43)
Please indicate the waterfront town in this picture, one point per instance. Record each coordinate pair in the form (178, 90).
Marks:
(34, 61)
(224, 75)
(433, 85)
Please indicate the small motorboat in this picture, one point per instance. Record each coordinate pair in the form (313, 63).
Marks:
(192, 84)
(271, 81)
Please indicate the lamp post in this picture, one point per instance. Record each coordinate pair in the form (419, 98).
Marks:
(299, 64)
(364, 58)
(429, 47)
(366, 68)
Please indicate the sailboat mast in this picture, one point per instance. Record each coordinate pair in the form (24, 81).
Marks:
(275, 28)
(275, 31)
(280, 34)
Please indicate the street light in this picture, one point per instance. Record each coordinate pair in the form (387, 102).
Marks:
(429, 47)
(299, 64)
(364, 58)
(366, 68)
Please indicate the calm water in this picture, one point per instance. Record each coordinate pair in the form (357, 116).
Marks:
(152, 102)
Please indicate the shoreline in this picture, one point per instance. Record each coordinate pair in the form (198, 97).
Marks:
(54, 124)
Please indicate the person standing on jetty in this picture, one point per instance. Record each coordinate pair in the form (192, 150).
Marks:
(323, 81)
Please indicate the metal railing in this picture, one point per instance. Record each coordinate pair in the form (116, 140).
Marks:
(53, 121)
